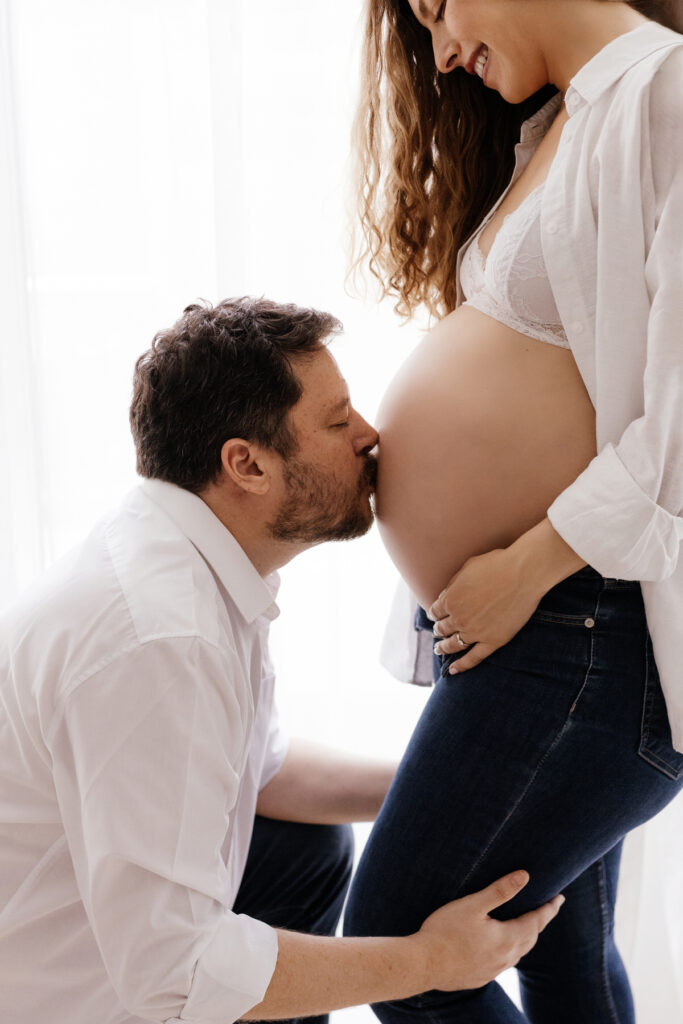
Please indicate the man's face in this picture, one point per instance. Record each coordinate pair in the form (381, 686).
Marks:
(328, 481)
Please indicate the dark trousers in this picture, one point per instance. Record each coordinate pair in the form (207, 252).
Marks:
(297, 876)
(543, 757)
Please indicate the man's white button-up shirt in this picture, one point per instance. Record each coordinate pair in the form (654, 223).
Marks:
(612, 234)
(137, 726)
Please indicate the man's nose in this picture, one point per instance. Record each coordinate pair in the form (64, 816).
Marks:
(445, 55)
(367, 437)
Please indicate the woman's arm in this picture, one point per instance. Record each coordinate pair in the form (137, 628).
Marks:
(625, 511)
(624, 514)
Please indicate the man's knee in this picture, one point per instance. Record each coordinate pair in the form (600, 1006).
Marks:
(326, 860)
(297, 874)
(323, 849)
(339, 846)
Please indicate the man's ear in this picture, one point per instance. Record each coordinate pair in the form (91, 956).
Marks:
(247, 465)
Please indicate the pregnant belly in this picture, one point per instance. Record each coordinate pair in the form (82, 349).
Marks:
(480, 430)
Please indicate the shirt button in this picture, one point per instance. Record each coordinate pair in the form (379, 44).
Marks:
(589, 623)
(552, 227)
(577, 327)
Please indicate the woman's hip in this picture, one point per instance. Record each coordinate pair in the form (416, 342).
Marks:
(534, 759)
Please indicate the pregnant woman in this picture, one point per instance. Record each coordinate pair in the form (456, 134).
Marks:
(531, 469)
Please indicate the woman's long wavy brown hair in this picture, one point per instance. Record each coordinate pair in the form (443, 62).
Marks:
(434, 153)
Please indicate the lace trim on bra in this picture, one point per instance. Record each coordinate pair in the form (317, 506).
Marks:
(511, 284)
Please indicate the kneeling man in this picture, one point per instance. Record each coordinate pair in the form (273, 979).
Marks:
(157, 832)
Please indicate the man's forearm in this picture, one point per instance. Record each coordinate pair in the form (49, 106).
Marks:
(314, 974)
(325, 787)
(458, 946)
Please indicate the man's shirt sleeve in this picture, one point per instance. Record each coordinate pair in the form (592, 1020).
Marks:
(277, 745)
(624, 514)
(147, 754)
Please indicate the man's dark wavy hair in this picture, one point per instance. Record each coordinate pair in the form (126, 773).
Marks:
(220, 372)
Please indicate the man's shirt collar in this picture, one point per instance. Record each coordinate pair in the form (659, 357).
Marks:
(252, 594)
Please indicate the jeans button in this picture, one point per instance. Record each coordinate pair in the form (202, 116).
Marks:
(589, 623)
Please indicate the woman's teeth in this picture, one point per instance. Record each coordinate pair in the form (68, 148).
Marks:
(480, 63)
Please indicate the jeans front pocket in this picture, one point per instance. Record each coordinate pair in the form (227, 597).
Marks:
(655, 735)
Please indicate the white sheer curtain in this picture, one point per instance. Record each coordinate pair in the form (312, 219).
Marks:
(21, 509)
(155, 151)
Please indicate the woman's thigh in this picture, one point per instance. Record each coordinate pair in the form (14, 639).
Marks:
(575, 972)
(528, 761)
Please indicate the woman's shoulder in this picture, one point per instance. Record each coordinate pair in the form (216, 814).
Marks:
(665, 120)
(646, 102)
(666, 89)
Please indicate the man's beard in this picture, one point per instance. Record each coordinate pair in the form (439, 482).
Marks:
(317, 508)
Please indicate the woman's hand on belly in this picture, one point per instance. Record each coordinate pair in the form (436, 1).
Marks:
(493, 595)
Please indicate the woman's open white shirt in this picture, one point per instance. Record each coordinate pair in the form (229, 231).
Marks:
(612, 235)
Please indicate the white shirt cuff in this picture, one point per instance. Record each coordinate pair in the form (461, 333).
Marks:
(614, 525)
(241, 948)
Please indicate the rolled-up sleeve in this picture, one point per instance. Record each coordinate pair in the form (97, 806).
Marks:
(623, 515)
(147, 754)
(250, 947)
(614, 525)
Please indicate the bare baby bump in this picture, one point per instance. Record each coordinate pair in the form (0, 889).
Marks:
(480, 430)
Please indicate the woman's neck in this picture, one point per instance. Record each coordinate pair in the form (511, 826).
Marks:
(576, 30)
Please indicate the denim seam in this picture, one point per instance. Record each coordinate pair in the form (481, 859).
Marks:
(558, 619)
(648, 755)
(517, 803)
(647, 705)
(590, 662)
(604, 919)
(538, 767)
(660, 764)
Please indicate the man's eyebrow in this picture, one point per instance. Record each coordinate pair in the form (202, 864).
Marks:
(340, 405)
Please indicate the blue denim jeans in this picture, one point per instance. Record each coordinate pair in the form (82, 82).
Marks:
(543, 757)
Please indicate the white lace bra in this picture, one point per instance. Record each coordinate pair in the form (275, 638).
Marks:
(511, 284)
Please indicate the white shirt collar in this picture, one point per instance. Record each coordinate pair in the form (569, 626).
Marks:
(615, 59)
(252, 594)
(601, 72)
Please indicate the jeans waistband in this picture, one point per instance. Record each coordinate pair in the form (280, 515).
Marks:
(585, 582)
(610, 582)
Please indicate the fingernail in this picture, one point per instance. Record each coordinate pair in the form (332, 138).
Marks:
(453, 670)
(562, 900)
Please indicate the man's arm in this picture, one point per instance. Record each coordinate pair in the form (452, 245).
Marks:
(458, 947)
(325, 787)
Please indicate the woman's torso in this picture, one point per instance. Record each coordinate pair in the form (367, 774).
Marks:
(480, 430)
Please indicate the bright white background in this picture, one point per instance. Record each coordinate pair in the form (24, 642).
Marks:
(156, 151)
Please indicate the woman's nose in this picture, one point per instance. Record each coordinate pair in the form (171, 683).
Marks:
(445, 55)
